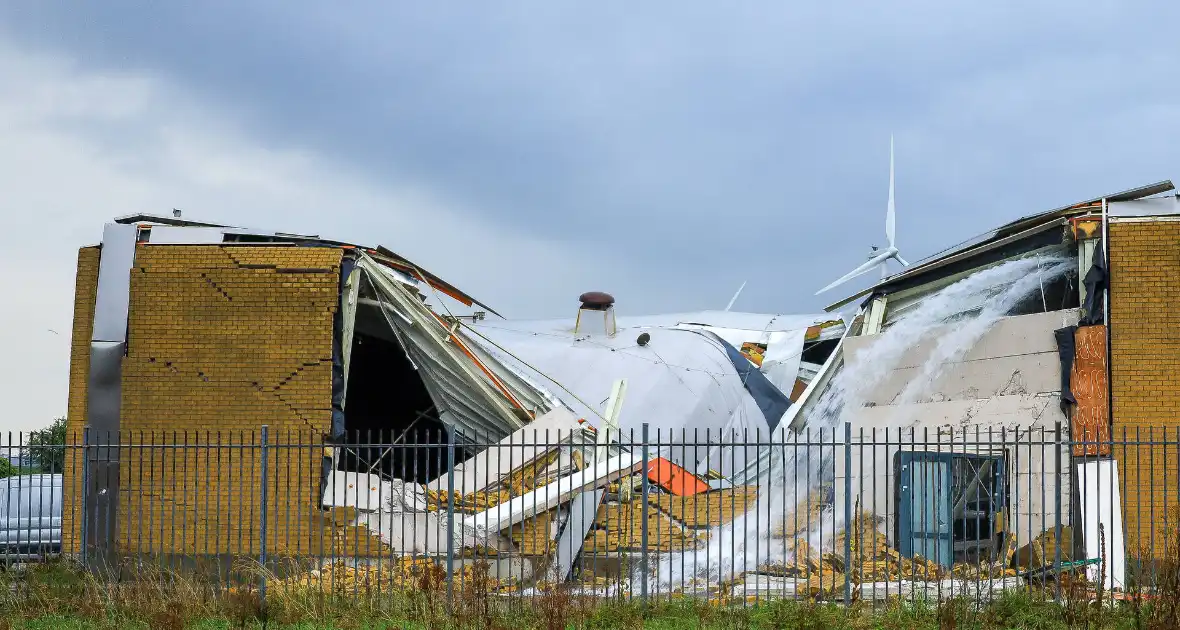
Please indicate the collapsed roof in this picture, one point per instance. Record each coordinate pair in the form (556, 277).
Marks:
(709, 371)
(1016, 238)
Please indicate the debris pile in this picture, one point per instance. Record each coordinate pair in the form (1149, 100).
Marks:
(819, 574)
(469, 503)
(402, 575)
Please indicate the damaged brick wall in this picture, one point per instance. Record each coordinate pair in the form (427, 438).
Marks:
(1145, 359)
(223, 339)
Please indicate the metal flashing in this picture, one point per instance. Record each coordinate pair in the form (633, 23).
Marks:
(1153, 207)
(104, 389)
(1126, 195)
(1146, 219)
(131, 219)
(116, 258)
(185, 235)
(400, 262)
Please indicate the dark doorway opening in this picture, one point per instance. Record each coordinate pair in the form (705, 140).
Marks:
(391, 425)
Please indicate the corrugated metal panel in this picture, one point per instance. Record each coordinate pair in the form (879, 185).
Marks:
(466, 397)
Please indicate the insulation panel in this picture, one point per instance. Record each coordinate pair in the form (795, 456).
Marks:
(1090, 425)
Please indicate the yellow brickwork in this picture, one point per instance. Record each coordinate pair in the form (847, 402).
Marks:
(1145, 361)
(85, 290)
(223, 339)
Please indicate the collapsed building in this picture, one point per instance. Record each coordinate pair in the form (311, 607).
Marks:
(186, 333)
(190, 337)
(1035, 335)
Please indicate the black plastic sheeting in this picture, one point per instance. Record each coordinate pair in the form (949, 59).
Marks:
(771, 400)
(1096, 282)
(346, 267)
(1066, 349)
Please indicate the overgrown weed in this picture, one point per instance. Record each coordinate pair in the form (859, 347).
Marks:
(149, 597)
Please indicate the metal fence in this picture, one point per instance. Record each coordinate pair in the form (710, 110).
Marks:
(840, 514)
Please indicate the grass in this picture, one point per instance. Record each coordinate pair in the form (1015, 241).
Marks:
(55, 596)
(58, 596)
(1018, 611)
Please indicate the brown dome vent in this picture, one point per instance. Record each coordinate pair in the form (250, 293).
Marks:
(596, 300)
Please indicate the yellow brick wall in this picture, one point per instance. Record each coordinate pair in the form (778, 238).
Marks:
(85, 290)
(223, 339)
(1145, 362)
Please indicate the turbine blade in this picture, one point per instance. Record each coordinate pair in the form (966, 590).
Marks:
(735, 297)
(861, 270)
(890, 218)
(901, 260)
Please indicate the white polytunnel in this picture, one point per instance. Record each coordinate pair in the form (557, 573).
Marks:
(683, 383)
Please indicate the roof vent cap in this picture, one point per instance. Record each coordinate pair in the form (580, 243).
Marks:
(596, 300)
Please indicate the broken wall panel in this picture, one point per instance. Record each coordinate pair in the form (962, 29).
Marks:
(1090, 425)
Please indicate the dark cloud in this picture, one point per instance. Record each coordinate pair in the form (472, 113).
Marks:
(699, 146)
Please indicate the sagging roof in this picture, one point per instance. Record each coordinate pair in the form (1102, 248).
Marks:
(1007, 233)
(162, 229)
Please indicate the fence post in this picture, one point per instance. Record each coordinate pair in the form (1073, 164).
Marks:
(450, 515)
(643, 481)
(1057, 506)
(85, 530)
(849, 519)
(264, 453)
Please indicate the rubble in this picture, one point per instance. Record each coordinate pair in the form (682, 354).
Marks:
(406, 574)
(876, 569)
(470, 503)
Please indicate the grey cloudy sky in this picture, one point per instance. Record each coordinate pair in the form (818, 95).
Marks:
(528, 151)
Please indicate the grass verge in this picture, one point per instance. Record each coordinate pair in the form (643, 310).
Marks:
(60, 597)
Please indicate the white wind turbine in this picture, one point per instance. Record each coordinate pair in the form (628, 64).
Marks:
(878, 257)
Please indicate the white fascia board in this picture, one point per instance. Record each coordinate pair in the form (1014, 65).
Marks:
(551, 495)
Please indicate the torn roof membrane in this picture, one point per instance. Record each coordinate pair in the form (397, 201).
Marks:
(1026, 226)
(681, 381)
(686, 376)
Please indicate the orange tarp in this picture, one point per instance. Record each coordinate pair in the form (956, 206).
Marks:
(1091, 418)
